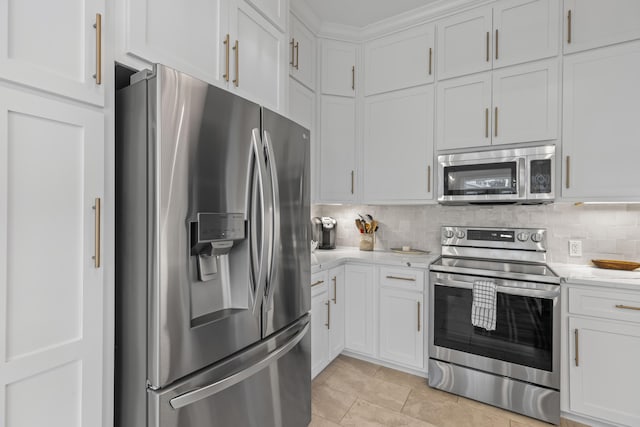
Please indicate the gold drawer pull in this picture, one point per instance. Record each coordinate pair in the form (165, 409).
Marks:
(293, 52)
(430, 59)
(96, 256)
(236, 49)
(576, 343)
(98, 27)
(319, 282)
(408, 279)
(226, 66)
(335, 289)
(569, 27)
(328, 324)
(418, 316)
(627, 307)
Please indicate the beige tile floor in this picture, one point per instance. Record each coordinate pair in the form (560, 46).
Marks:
(352, 392)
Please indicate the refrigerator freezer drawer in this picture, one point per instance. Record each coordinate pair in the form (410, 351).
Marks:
(267, 385)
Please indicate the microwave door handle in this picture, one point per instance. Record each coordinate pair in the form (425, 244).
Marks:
(522, 178)
(509, 290)
(275, 218)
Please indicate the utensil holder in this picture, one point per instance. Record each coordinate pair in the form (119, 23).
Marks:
(367, 241)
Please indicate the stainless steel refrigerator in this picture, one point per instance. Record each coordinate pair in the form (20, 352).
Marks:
(212, 258)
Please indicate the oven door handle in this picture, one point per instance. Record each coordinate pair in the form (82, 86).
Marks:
(510, 290)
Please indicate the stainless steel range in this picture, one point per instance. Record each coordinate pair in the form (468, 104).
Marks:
(515, 366)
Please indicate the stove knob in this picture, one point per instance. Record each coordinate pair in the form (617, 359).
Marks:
(523, 237)
(448, 234)
(460, 234)
(536, 237)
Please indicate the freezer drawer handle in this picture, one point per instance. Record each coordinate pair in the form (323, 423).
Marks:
(202, 393)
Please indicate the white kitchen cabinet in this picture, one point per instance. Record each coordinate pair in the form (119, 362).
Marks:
(603, 370)
(52, 46)
(525, 102)
(399, 61)
(398, 146)
(594, 23)
(302, 54)
(525, 30)
(190, 39)
(319, 322)
(302, 109)
(338, 167)
(359, 309)
(601, 129)
(274, 10)
(464, 112)
(51, 290)
(464, 43)
(337, 302)
(338, 63)
(401, 327)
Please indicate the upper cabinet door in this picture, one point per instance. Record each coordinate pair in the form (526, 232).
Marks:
(191, 39)
(338, 68)
(302, 54)
(601, 129)
(594, 23)
(274, 10)
(464, 112)
(398, 146)
(258, 71)
(464, 43)
(53, 46)
(400, 60)
(525, 30)
(525, 102)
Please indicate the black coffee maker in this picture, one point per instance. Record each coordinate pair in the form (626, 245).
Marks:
(323, 230)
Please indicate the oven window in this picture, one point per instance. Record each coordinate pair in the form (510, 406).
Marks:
(524, 328)
(487, 178)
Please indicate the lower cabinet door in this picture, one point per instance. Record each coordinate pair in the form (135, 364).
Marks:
(359, 309)
(603, 372)
(402, 327)
(319, 331)
(336, 300)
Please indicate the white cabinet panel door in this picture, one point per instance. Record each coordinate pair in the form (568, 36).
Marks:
(597, 23)
(525, 102)
(401, 327)
(464, 43)
(398, 146)
(601, 130)
(604, 378)
(400, 60)
(338, 68)
(359, 309)
(319, 331)
(190, 39)
(51, 293)
(336, 297)
(302, 54)
(302, 109)
(464, 112)
(274, 10)
(51, 45)
(259, 71)
(525, 30)
(337, 149)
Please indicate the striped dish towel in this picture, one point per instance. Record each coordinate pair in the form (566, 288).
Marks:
(483, 309)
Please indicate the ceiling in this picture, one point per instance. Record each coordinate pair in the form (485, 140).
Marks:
(360, 13)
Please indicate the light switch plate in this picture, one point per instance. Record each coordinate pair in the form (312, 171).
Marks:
(575, 248)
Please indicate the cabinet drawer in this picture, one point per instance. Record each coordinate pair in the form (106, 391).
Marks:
(402, 278)
(615, 305)
(319, 282)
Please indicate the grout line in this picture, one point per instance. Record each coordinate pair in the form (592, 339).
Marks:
(349, 410)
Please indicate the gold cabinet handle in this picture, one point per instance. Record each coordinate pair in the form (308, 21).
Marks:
(352, 181)
(576, 344)
(429, 179)
(495, 122)
(335, 287)
(98, 27)
(486, 123)
(408, 279)
(96, 250)
(627, 307)
(293, 47)
(496, 44)
(353, 78)
(226, 67)
(319, 282)
(328, 324)
(568, 172)
(569, 27)
(297, 56)
(487, 46)
(236, 48)
(419, 316)
(430, 59)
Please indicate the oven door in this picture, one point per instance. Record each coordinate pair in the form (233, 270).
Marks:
(526, 342)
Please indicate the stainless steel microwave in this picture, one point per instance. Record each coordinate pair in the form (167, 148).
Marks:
(520, 175)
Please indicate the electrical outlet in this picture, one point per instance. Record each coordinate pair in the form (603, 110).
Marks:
(575, 247)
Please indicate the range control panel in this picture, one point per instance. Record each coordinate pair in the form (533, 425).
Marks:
(534, 239)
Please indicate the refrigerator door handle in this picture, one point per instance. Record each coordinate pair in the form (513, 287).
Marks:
(275, 244)
(267, 226)
(223, 384)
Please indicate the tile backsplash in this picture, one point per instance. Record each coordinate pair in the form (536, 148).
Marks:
(606, 231)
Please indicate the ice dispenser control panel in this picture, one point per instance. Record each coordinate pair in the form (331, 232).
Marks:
(220, 226)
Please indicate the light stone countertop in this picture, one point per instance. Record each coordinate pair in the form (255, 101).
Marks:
(594, 276)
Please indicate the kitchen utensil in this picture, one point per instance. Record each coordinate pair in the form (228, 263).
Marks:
(615, 264)
(374, 226)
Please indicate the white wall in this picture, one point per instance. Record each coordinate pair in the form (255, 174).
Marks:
(607, 231)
